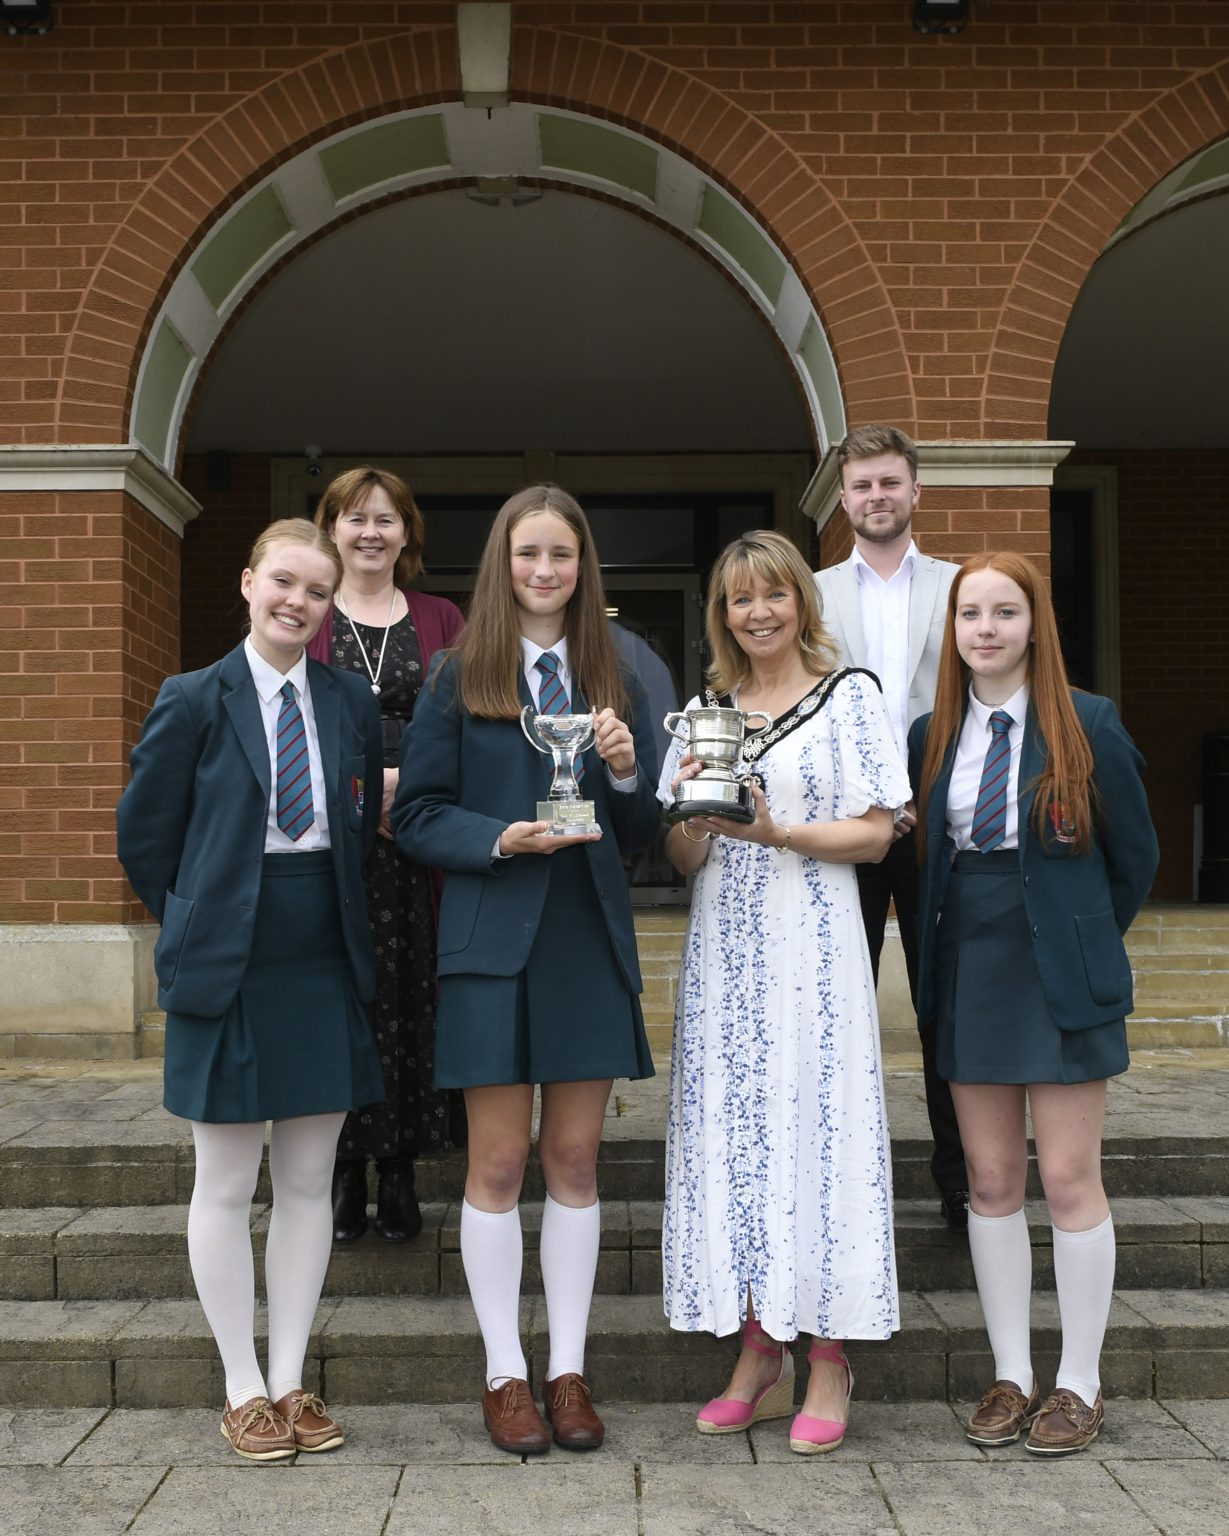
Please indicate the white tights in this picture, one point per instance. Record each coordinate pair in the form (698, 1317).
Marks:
(301, 1154)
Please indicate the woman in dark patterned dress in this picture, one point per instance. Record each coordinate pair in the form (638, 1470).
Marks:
(388, 633)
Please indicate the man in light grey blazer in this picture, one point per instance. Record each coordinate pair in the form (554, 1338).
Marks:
(885, 607)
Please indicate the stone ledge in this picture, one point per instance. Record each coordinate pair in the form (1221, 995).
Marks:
(391, 1349)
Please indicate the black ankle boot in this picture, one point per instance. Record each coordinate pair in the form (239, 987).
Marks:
(398, 1217)
(349, 1201)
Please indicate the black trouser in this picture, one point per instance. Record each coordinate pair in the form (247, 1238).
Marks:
(895, 879)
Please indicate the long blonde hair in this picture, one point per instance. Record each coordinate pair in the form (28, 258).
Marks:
(1066, 780)
(774, 560)
(490, 648)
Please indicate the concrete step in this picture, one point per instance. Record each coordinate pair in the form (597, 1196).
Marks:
(1162, 1025)
(94, 1162)
(159, 1354)
(660, 919)
(140, 1252)
(1208, 988)
(1180, 926)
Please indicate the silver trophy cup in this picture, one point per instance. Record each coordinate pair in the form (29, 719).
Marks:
(562, 737)
(715, 736)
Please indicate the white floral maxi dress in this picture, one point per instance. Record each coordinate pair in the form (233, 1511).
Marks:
(778, 1173)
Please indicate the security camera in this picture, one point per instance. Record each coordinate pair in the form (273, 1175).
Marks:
(313, 452)
(313, 471)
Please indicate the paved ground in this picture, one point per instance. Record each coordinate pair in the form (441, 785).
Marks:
(1159, 1467)
(1164, 1093)
(906, 1470)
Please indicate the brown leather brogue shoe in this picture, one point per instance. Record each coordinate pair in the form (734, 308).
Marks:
(310, 1424)
(569, 1412)
(1065, 1425)
(512, 1419)
(257, 1432)
(1002, 1414)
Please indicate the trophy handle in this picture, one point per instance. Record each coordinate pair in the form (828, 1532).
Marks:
(529, 735)
(756, 714)
(677, 716)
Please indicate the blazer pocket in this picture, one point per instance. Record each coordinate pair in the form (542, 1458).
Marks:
(176, 917)
(459, 912)
(1105, 958)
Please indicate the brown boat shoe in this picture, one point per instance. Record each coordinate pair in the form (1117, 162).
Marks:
(512, 1418)
(257, 1432)
(1066, 1424)
(1002, 1414)
(570, 1413)
(309, 1421)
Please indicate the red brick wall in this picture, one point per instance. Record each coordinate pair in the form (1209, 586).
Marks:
(1173, 553)
(953, 522)
(216, 549)
(942, 199)
(90, 589)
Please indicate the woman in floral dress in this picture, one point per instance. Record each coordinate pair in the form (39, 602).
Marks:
(779, 1193)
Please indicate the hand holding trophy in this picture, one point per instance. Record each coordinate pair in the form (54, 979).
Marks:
(714, 737)
(563, 738)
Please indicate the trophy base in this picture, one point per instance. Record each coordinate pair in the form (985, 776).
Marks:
(730, 798)
(569, 818)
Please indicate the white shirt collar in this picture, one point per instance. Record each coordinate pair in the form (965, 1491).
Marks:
(530, 650)
(865, 569)
(268, 679)
(1016, 707)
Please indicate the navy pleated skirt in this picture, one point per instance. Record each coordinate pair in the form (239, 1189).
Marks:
(567, 1017)
(994, 1025)
(296, 1040)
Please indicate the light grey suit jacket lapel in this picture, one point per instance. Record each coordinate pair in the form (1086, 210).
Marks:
(928, 589)
(842, 605)
(923, 594)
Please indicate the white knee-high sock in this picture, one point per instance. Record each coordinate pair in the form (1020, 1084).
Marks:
(220, 1247)
(1003, 1265)
(571, 1238)
(1084, 1279)
(491, 1252)
(301, 1154)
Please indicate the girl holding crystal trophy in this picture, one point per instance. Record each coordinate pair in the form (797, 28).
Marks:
(538, 975)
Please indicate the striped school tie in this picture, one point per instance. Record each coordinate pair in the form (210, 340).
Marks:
(295, 812)
(552, 696)
(990, 812)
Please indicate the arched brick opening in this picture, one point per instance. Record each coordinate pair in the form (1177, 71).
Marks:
(369, 80)
(1067, 244)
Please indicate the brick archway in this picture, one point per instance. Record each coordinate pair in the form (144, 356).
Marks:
(1034, 317)
(419, 68)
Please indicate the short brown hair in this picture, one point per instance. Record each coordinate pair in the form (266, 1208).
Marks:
(772, 558)
(352, 488)
(868, 442)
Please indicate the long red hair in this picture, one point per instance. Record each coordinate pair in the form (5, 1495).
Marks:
(1066, 780)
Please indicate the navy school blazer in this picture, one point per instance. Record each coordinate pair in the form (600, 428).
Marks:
(192, 822)
(463, 780)
(1079, 906)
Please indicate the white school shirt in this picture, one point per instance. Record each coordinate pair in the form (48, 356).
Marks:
(529, 663)
(269, 683)
(529, 660)
(971, 749)
(885, 634)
